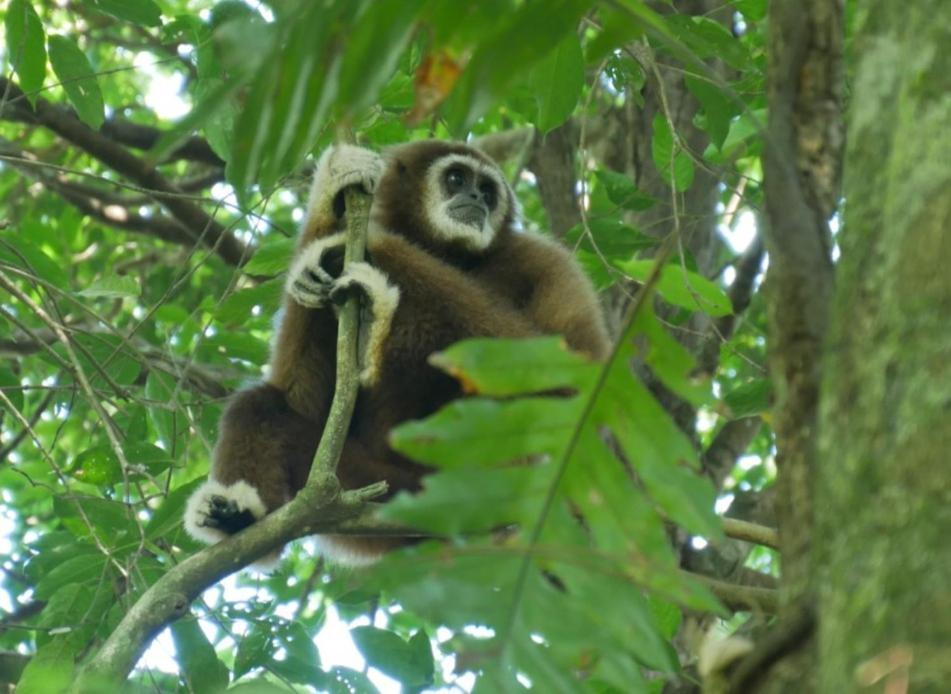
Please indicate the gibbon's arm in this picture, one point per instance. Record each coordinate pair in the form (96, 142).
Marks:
(303, 353)
(563, 300)
(440, 304)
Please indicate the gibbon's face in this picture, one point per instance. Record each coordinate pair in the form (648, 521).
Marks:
(466, 200)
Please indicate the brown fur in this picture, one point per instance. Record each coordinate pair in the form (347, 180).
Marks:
(522, 285)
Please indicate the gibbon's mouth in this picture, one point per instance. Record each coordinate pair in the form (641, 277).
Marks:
(469, 213)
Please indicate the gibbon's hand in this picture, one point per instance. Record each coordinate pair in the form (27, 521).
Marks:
(379, 300)
(315, 270)
(347, 165)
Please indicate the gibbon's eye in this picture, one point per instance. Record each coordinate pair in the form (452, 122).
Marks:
(488, 193)
(455, 179)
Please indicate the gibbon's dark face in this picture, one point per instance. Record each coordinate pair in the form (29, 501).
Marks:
(462, 201)
(444, 195)
(471, 196)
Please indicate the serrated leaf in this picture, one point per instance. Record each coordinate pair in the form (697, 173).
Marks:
(448, 506)
(499, 367)
(557, 82)
(682, 287)
(26, 46)
(111, 287)
(475, 431)
(78, 80)
(144, 12)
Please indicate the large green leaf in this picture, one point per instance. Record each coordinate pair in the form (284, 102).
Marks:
(78, 80)
(522, 39)
(26, 46)
(410, 663)
(557, 82)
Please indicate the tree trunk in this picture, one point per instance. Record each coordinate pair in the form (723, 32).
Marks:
(883, 501)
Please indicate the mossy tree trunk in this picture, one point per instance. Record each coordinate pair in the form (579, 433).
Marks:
(883, 492)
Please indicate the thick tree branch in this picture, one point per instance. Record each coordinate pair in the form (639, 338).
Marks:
(106, 209)
(202, 227)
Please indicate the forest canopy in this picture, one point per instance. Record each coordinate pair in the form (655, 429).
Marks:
(155, 157)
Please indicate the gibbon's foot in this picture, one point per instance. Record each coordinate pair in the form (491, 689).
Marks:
(216, 511)
(313, 272)
(343, 166)
(380, 299)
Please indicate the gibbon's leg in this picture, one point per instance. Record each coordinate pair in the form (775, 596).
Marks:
(262, 442)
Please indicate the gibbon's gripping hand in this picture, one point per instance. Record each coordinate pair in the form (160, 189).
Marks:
(342, 166)
(379, 300)
(316, 269)
(216, 511)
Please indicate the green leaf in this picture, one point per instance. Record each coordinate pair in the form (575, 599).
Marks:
(86, 568)
(671, 161)
(169, 421)
(98, 465)
(500, 366)
(21, 253)
(301, 661)
(111, 287)
(622, 191)
(79, 81)
(168, 516)
(286, 106)
(523, 38)
(237, 308)
(26, 46)
(718, 108)
(201, 668)
(254, 649)
(448, 506)
(51, 668)
(144, 12)
(682, 287)
(478, 431)
(272, 257)
(11, 385)
(613, 239)
(373, 50)
(234, 345)
(750, 398)
(391, 655)
(557, 82)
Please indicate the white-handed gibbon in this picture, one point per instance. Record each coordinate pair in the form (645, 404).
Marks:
(443, 264)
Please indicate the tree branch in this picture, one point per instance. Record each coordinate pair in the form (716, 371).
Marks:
(202, 227)
(318, 507)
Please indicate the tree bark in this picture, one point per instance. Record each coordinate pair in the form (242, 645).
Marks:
(884, 499)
